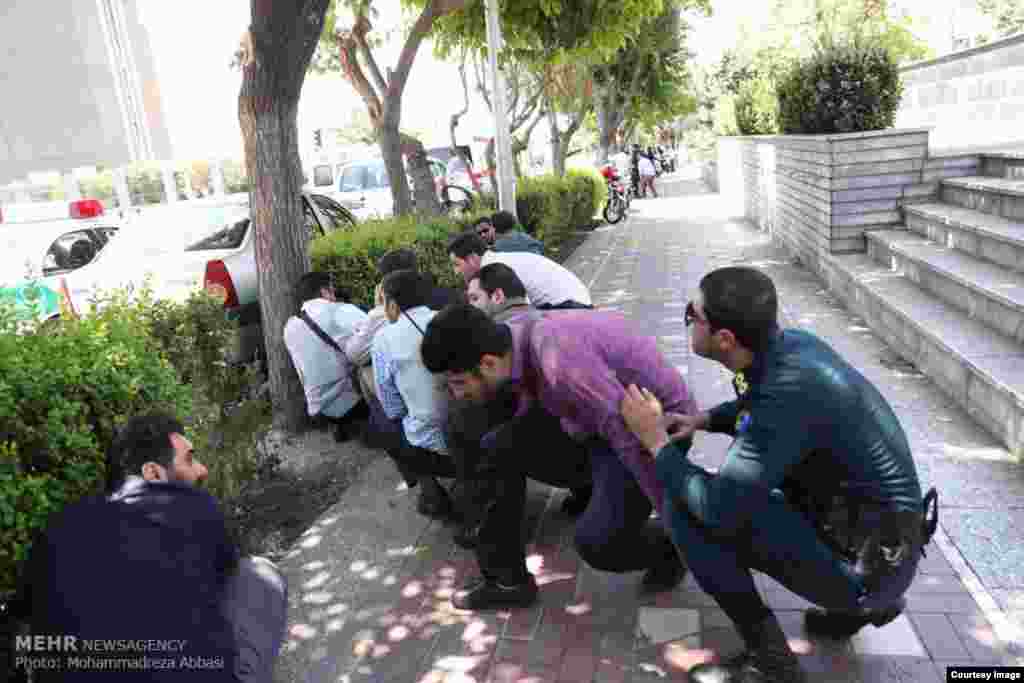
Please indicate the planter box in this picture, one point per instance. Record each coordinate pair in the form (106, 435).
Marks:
(820, 193)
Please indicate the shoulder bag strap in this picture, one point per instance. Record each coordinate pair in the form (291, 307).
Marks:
(319, 332)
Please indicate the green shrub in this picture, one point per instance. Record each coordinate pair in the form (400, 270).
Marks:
(352, 255)
(757, 110)
(591, 191)
(65, 388)
(842, 89)
(224, 423)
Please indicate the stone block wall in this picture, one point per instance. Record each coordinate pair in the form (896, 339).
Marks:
(969, 99)
(818, 194)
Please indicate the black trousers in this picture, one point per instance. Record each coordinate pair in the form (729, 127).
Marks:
(613, 534)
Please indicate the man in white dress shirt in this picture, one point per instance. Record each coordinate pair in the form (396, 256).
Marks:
(315, 339)
(548, 284)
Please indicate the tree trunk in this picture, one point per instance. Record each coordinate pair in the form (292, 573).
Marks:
(267, 115)
(391, 151)
(557, 156)
(426, 202)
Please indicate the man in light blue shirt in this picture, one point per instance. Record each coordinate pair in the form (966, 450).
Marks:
(409, 392)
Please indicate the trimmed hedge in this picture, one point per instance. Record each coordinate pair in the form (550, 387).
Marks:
(757, 107)
(552, 208)
(843, 89)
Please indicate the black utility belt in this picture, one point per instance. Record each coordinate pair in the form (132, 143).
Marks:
(877, 539)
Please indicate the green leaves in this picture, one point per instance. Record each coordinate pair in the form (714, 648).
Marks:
(844, 89)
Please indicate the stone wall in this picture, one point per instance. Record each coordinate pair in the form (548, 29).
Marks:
(818, 194)
(969, 99)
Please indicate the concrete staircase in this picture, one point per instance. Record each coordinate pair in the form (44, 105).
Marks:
(946, 289)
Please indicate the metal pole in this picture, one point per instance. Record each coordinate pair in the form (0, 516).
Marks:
(503, 140)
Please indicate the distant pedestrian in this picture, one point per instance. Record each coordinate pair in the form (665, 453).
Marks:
(647, 175)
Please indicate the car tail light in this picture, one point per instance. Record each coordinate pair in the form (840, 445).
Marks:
(217, 282)
(86, 208)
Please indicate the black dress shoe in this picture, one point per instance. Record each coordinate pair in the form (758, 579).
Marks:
(577, 500)
(842, 624)
(485, 594)
(767, 659)
(434, 501)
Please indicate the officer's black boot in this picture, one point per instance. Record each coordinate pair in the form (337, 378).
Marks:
(767, 659)
(842, 624)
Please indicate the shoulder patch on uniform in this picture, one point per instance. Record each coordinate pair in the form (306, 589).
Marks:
(743, 421)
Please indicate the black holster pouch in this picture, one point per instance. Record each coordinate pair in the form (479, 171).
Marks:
(875, 538)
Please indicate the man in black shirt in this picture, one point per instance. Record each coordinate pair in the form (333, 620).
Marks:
(153, 561)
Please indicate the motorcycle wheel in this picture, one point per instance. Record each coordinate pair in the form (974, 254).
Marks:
(614, 211)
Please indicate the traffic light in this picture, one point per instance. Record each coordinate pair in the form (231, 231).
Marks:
(318, 138)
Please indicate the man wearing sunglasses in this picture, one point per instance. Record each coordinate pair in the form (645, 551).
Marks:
(819, 489)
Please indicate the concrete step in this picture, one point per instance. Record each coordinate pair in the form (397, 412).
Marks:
(982, 370)
(982, 235)
(1008, 165)
(995, 196)
(984, 291)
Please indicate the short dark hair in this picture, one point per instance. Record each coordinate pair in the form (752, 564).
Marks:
(459, 336)
(467, 243)
(399, 259)
(742, 300)
(503, 222)
(310, 284)
(496, 276)
(407, 288)
(144, 438)
(475, 225)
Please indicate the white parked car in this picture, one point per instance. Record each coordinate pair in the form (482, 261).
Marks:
(364, 189)
(39, 255)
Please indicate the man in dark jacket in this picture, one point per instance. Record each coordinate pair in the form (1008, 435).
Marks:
(153, 562)
(819, 489)
(508, 236)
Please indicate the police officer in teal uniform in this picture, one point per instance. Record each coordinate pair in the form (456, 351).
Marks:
(818, 489)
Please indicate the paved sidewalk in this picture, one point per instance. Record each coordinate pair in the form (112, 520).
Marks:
(370, 582)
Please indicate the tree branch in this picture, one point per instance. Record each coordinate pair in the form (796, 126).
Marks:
(371, 62)
(481, 81)
(434, 10)
(528, 110)
(348, 45)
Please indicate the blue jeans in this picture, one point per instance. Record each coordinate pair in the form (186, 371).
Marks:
(782, 543)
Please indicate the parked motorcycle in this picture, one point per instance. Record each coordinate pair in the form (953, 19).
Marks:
(619, 195)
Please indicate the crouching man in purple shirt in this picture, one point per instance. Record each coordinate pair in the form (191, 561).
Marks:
(560, 377)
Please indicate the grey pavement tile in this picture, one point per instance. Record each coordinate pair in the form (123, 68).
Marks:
(893, 669)
(895, 639)
(991, 544)
(980, 639)
(931, 603)
(939, 637)
(937, 584)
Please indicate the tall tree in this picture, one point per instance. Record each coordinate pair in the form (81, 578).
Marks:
(569, 98)
(382, 90)
(524, 90)
(274, 55)
(1007, 14)
(649, 66)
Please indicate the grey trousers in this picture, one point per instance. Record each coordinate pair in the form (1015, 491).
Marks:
(256, 604)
